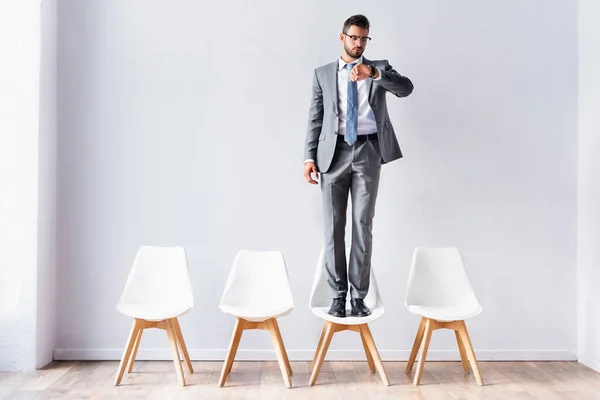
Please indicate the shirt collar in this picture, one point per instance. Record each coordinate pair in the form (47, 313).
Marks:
(342, 63)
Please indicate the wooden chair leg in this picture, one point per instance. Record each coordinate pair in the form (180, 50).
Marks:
(367, 352)
(127, 352)
(416, 345)
(424, 348)
(233, 346)
(181, 343)
(463, 354)
(288, 366)
(138, 338)
(464, 335)
(280, 351)
(366, 333)
(312, 365)
(322, 351)
(175, 351)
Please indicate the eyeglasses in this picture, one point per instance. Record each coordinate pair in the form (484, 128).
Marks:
(355, 38)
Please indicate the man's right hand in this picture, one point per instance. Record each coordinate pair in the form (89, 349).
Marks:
(309, 169)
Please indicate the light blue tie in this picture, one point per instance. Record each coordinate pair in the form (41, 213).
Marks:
(351, 110)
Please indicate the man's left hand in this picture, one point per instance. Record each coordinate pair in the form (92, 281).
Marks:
(360, 72)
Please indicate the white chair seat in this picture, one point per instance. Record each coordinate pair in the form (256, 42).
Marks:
(258, 287)
(154, 312)
(446, 314)
(321, 296)
(158, 286)
(255, 315)
(323, 313)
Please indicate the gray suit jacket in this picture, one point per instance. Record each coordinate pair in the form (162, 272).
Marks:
(321, 136)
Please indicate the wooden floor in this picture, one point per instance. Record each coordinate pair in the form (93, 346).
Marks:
(337, 380)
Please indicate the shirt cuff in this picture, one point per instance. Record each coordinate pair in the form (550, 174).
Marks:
(309, 160)
(379, 77)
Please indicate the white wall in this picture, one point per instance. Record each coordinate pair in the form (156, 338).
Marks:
(19, 122)
(589, 185)
(183, 123)
(46, 277)
(27, 183)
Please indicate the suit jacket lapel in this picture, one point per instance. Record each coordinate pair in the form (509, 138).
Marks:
(333, 84)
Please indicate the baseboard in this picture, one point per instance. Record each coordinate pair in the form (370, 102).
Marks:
(306, 355)
(589, 362)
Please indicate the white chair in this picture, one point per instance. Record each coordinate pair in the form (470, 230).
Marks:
(257, 293)
(320, 302)
(440, 291)
(157, 292)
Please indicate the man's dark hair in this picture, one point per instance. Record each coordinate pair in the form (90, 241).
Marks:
(357, 20)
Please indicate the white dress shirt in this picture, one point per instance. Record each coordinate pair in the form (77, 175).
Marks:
(366, 118)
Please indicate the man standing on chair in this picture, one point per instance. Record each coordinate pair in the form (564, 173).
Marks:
(349, 137)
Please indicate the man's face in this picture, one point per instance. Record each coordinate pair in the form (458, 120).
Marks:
(355, 41)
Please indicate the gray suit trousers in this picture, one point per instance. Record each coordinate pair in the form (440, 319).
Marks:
(354, 170)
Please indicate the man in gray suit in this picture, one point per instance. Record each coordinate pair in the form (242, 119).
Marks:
(349, 137)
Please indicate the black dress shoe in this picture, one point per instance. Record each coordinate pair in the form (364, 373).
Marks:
(359, 309)
(338, 307)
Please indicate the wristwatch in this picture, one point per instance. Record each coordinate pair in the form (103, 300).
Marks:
(373, 70)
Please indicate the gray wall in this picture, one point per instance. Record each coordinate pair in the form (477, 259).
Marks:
(183, 123)
(19, 157)
(46, 271)
(589, 185)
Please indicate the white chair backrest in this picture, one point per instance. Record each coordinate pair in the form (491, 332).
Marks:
(159, 276)
(438, 278)
(257, 281)
(322, 295)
